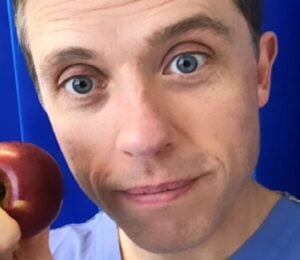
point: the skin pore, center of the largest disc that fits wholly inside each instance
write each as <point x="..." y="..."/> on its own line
<point x="132" y="115"/>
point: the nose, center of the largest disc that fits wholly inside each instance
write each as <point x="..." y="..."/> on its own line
<point x="146" y="131"/>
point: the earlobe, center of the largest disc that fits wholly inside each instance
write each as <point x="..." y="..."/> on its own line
<point x="267" y="56"/>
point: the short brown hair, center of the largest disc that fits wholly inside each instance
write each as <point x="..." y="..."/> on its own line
<point x="250" y="9"/>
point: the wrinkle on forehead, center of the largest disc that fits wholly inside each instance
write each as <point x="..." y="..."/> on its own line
<point x="68" y="13"/>
<point x="62" y="10"/>
<point x="56" y="24"/>
<point x="77" y="15"/>
<point x="57" y="10"/>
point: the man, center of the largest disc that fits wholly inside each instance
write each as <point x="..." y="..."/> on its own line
<point x="155" y="107"/>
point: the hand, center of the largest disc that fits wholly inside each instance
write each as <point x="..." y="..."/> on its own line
<point x="13" y="248"/>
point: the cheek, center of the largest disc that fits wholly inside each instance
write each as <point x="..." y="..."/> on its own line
<point x="85" y="144"/>
<point x="238" y="130"/>
<point x="226" y="124"/>
<point x="88" y="156"/>
<point x="73" y="147"/>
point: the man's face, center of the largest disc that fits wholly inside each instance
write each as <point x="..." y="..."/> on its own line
<point x="154" y="104"/>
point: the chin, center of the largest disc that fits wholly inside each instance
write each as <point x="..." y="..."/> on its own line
<point x="173" y="230"/>
<point x="178" y="239"/>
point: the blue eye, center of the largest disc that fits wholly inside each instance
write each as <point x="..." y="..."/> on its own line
<point x="187" y="63"/>
<point x="79" y="85"/>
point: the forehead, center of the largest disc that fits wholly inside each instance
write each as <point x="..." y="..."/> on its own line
<point x="50" y="23"/>
<point x="94" y="13"/>
<point x="120" y="6"/>
<point x="121" y="10"/>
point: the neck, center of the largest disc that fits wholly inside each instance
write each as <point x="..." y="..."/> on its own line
<point x="245" y="217"/>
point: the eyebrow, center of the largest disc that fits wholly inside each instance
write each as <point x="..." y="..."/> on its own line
<point x="77" y="54"/>
<point x="198" y="21"/>
<point x="68" y="56"/>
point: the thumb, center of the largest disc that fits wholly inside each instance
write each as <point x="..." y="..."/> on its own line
<point x="34" y="248"/>
<point x="10" y="235"/>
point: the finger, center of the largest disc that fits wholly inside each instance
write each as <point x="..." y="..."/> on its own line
<point x="34" y="248"/>
<point x="10" y="234"/>
<point x="7" y="256"/>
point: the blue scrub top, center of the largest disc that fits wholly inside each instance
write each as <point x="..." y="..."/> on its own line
<point x="278" y="238"/>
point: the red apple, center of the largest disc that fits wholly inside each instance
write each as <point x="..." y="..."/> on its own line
<point x="31" y="186"/>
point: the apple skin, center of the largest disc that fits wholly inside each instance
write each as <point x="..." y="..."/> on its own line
<point x="31" y="186"/>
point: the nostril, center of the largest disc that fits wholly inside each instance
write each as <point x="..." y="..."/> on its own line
<point x="149" y="149"/>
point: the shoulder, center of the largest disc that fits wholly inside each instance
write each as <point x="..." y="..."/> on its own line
<point x="279" y="235"/>
<point x="77" y="241"/>
<point x="289" y="227"/>
<point x="74" y="231"/>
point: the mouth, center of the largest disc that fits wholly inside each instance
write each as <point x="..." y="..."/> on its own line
<point x="159" y="194"/>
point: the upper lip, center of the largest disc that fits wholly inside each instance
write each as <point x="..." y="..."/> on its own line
<point x="163" y="187"/>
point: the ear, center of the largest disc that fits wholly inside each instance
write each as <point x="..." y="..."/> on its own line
<point x="267" y="54"/>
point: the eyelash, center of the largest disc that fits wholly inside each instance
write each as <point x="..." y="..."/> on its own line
<point x="96" y="85"/>
<point x="196" y="56"/>
<point x="194" y="48"/>
<point x="202" y="58"/>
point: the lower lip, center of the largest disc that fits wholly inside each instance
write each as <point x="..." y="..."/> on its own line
<point x="160" y="197"/>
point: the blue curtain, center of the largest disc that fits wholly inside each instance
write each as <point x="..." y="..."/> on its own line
<point x="23" y="118"/>
<point x="280" y="119"/>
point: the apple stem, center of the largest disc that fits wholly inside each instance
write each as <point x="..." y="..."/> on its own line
<point x="2" y="191"/>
